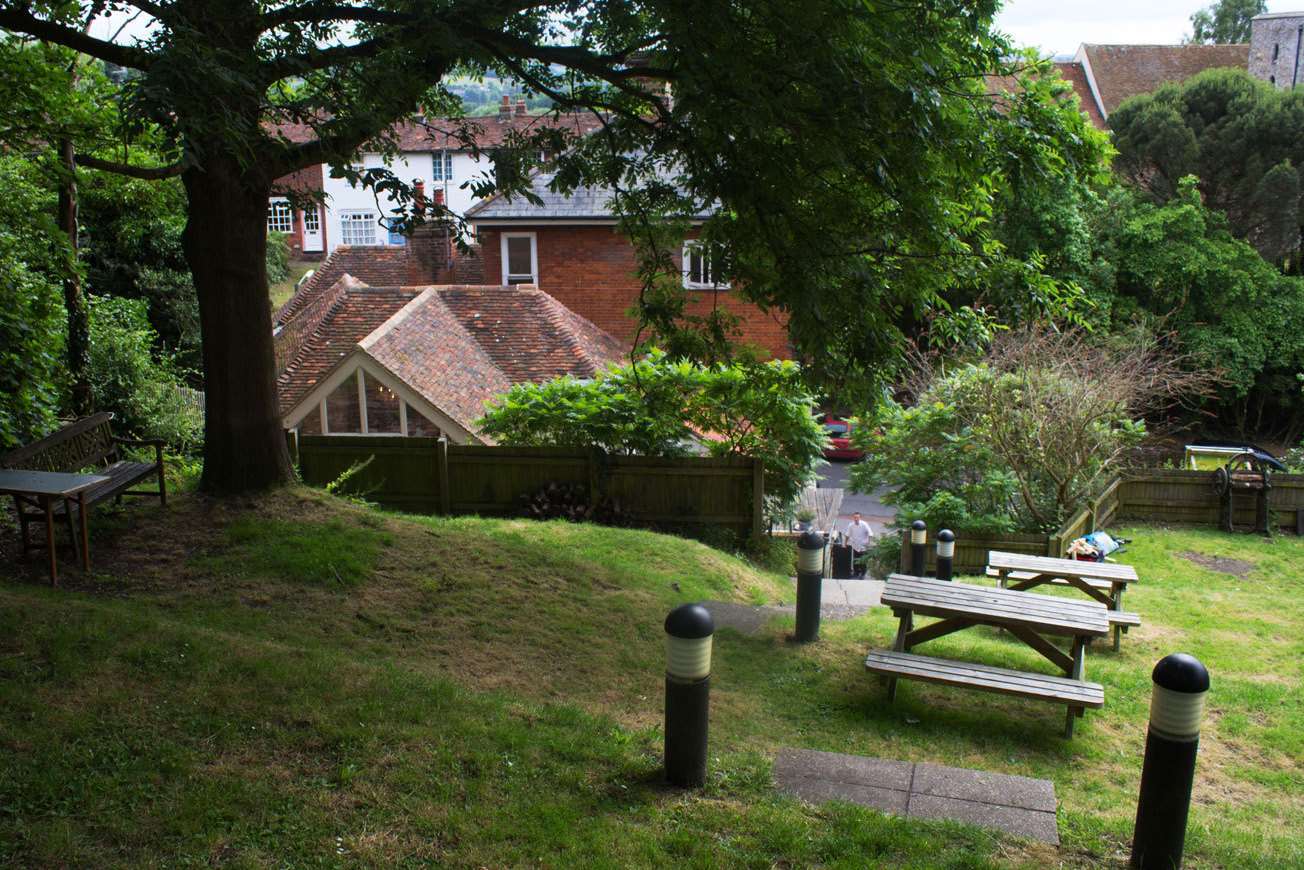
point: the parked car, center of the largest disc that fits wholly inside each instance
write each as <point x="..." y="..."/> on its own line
<point x="840" y="447"/>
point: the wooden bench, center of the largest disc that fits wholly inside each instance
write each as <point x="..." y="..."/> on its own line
<point x="86" y="443"/>
<point x="1076" y="694"/>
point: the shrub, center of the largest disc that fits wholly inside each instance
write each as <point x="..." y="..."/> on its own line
<point x="144" y="392"/>
<point x="278" y="257"/>
<point x="655" y="406"/>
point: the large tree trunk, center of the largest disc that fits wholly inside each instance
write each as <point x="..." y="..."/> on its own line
<point x="74" y="299"/>
<point x="225" y="244"/>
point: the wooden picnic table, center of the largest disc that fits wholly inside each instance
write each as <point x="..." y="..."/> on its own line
<point x="1030" y="617"/>
<point x="44" y="488"/>
<point x="1102" y="581"/>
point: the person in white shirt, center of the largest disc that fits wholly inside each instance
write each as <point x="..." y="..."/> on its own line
<point x="859" y="534"/>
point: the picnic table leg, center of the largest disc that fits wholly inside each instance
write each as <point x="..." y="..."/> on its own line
<point x="899" y="645"/>
<point x="48" y="504"/>
<point x="1079" y="670"/>
<point x="1118" y="608"/>
<point x="85" y="532"/>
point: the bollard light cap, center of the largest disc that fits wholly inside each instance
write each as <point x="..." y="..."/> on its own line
<point x="919" y="525"/>
<point x="1183" y="673"/>
<point x="811" y="540"/>
<point x="689" y="622"/>
<point x="946" y="536"/>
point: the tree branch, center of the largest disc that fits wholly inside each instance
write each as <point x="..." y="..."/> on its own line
<point x="149" y="173"/>
<point x="22" y="21"/>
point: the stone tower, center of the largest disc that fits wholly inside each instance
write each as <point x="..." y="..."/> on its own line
<point x="1275" y="48"/>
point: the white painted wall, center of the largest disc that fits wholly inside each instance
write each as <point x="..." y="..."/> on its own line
<point x="409" y="167"/>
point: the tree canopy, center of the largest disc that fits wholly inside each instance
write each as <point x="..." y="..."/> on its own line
<point x="847" y="151"/>
<point x="1226" y="21"/>
<point x="1241" y="137"/>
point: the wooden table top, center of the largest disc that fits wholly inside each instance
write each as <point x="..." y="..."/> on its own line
<point x="20" y="481"/>
<point x="1061" y="567"/>
<point x="1051" y="614"/>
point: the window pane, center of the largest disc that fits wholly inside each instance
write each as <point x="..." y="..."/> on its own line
<point x="520" y="266"/>
<point x="382" y="407"/>
<point x="358" y="228"/>
<point x="311" y="219"/>
<point x="342" y="413"/>
<point x="311" y="425"/>
<point x="280" y="217"/>
<point x="419" y="426"/>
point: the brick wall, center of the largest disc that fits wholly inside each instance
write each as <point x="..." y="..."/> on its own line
<point x="306" y="180"/>
<point x="591" y="270"/>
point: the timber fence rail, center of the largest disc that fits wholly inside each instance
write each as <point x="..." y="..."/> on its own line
<point x="1161" y="496"/>
<point x="427" y="475"/>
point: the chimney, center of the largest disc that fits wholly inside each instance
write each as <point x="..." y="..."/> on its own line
<point x="505" y="108"/>
<point x="520" y="105"/>
<point x="419" y="195"/>
<point x="439" y="196"/>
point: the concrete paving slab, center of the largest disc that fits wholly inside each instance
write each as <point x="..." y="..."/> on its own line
<point x="818" y="791"/>
<point x="984" y="786"/>
<point x="1017" y="805"/>
<point x="837" y="767"/>
<point x="863" y="593"/>
<point x="1034" y="824"/>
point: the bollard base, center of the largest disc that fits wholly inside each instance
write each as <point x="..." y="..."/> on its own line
<point x="809" y="593"/>
<point x="1166" y="778"/>
<point x="917" y="560"/>
<point x="687" y="715"/>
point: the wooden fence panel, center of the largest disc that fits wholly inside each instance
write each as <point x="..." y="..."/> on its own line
<point x="403" y="473"/>
<point x="1172" y="496"/>
<point x="406" y="474"/>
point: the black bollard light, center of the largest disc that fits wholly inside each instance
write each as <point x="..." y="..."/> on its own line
<point x="810" y="582"/>
<point x="1168" y="772"/>
<point x="689" y="628"/>
<point x="918" y="539"/>
<point x="945" y="553"/>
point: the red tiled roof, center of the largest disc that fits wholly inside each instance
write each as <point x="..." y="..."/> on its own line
<point x="1076" y="75"/>
<point x="442" y="133"/>
<point x="1123" y="71"/>
<point x="457" y="346"/>
<point x="377" y="266"/>
<point x="461" y="346"/>
<point x="357" y="312"/>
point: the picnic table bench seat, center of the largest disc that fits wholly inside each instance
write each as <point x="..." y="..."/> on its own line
<point x="1073" y="693"/>
<point x="86" y="443"/>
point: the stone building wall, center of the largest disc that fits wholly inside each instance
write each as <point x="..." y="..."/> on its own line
<point x="1275" y="48"/>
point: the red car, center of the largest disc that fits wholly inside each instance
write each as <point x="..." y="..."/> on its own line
<point x="839" y="431"/>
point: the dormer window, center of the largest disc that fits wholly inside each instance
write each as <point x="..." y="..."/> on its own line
<point x="699" y="273"/>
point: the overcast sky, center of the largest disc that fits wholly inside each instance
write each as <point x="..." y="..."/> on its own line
<point x="1057" y="26"/>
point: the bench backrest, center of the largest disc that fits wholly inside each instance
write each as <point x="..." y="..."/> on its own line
<point x="88" y="441"/>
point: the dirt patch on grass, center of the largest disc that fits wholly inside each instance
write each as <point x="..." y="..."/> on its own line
<point x="1221" y="564"/>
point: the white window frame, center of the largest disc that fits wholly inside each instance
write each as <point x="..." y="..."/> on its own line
<point x="278" y="209"/>
<point x="534" y="258"/>
<point x="354" y="217"/>
<point x="696" y="248"/>
<point x="312" y="219"/>
<point x="441" y="166"/>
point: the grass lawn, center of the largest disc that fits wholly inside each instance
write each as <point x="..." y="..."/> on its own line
<point x="295" y="680"/>
<point x="281" y="291"/>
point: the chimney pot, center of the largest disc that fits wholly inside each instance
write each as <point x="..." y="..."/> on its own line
<point x="419" y="195"/>
<point x="505" y="108"/>
<point x="520" y="105"/>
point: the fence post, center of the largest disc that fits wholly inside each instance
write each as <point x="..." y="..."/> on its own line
<point x="441" y="459"/>
<point x="758" y="498"/>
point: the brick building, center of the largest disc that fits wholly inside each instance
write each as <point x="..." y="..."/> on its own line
<point x="571" y="247"/>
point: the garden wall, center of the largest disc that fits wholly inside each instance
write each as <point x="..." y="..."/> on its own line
<point x="1151" y="496"/>
<point x="427" y="475"/>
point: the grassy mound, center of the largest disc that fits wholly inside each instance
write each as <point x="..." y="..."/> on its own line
<point x="296" y="680"/>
